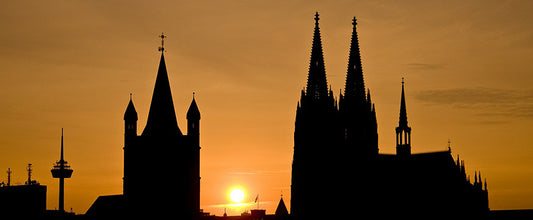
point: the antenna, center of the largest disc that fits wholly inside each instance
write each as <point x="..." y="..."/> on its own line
<point x="9" y="176"/>
<point x="61" y="146"/>
<point x="29" y="169"/>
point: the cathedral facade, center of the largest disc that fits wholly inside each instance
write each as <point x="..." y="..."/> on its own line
<point x="336" y="149"/>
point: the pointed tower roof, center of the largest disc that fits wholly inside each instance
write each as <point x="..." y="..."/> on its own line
<point x="131" y="113"/>
<point x="281" y="210"/>
<point x="317" y="85"/>
<point x="355" y="85"/>
<point x="162" y="117"/>
<point x="403" y="109"/>
<point x="193" y="113"/>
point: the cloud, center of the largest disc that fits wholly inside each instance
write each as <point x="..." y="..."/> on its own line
<point x="484" y="101"/>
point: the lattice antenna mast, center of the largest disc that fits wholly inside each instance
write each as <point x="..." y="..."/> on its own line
<point x="29" y="169"/>
<point x="9" y="176"/>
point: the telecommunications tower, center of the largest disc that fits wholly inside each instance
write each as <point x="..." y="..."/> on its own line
<point x="61" y="170"/>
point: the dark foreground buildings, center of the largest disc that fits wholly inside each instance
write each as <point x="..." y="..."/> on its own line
<point x="22" y="200"/>
<point x="336" y="150"/>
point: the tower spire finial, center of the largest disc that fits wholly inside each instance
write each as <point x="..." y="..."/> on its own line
<point x="162" y="47"/>
<point x="403" y="110"/>
<point x="317" y="85"/>
<point x="354" y="21"/>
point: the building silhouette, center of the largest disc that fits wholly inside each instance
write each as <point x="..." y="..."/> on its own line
<point x="22" y="200"/>
<point x="161" y="165"/>
<point x="336" y="150"/>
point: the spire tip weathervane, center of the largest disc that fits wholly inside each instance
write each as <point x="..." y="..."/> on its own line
<point x="162" y="48"/>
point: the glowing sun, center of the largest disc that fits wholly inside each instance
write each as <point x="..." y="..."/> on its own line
<point x="236" y="195"/>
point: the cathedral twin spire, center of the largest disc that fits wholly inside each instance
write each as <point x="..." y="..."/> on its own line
<point x="317" y="85"/>
<point x="356" y="111"/>
<point x="329" y="134"/>
<point x="355" y="85"/>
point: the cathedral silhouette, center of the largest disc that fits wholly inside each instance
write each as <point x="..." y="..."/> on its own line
<point x="336" y="149"/>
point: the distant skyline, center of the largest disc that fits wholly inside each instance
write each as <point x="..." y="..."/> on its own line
<point x="73" y="64"/>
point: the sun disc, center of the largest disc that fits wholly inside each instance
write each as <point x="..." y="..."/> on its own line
<point x="236" y="195"/>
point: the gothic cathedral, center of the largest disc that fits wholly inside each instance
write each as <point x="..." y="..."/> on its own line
<point x="336" y="151"/>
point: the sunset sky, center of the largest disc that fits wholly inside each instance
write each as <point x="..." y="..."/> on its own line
<point x="468" y="67"/>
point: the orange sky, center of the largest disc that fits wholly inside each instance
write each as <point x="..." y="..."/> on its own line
<point x="72" y="64"/>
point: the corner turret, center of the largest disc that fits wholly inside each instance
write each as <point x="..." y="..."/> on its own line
<point x="130" y="119"/>
<point x="193" y="119"/>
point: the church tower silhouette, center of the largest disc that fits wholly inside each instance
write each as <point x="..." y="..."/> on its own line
<point x="162" y="166"/>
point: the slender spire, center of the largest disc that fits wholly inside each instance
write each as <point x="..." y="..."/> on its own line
<point x="317" y="85"/>
<point x="403" y="109"/>
<point x="162" y="117"/>
<point x="403" y="132"/>
<point x="355" y="85"/>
